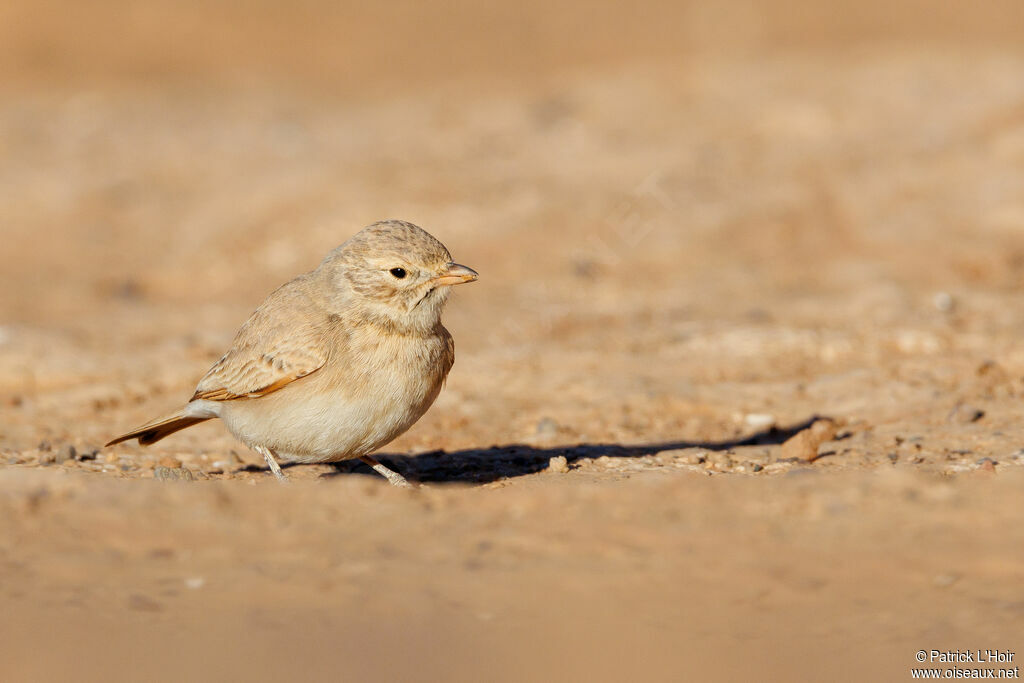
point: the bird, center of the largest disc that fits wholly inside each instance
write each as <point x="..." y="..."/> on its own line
<point x="340" y="360"/>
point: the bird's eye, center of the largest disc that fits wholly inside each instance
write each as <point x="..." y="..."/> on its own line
<point x="398" y="272"/>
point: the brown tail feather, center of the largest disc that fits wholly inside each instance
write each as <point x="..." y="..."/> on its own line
<point x="151" y="432"/>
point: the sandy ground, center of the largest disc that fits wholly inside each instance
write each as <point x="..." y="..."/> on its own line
<point x="699" y="229"/>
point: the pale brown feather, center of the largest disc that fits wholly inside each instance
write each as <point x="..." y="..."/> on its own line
<point x="281" y="342"/>
<point x="157" y="429"/>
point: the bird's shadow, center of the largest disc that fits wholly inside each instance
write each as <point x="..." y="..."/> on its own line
<point x="484" y="465"/>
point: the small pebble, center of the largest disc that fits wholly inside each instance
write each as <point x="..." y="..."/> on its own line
<point x="804" y="445"/>
<point x="943" y="301"/>
<point x="992" y="370"/>
<point x="558" y="465"/>
<point x="195" y="582"/>
<point x="664" y="458"/>
<point x="688" y="456"/>
<point x="718" y="460"/>
<point x="547" y="427"/>
<point x="172" y="474"/>
<point x="759" y="421"/>
<point x="47" y="458"/>
<point x="987" y="465"/>
<point x="143" y="604"/>
<point x="963" y="413"/>
<point x="67" y="452"/>
<point x="88" y="454"/>
<point x="825" y="429"/>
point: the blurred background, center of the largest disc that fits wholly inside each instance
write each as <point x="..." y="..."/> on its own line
<point x="799" y="181"/>
<point x="693" y="220"/>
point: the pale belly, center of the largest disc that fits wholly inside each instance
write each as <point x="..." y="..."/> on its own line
<point x="321" y="419"/>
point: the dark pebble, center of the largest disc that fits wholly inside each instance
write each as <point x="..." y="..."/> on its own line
<point x="89" y="454"/>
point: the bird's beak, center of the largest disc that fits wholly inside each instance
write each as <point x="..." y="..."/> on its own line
<point x="455" y="275"/>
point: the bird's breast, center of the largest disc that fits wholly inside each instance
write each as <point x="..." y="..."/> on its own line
<point x="358" y="401"/>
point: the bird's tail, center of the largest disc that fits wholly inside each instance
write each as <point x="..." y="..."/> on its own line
<point x="153" y="431"/>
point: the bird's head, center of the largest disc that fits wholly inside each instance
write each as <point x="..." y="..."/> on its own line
<point x="397" y="273"/>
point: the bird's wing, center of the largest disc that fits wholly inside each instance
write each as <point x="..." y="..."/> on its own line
<point x="282" y="341"/>
<point x="248" y="373"/>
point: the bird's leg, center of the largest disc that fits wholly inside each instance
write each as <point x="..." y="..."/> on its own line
<point x="394" y="477"/>
<point x="268" y="455"/>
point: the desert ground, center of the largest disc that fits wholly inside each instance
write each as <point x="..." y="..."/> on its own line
<point x="737" y="395"/>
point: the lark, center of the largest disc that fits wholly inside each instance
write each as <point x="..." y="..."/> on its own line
<point x="339" y="361"/>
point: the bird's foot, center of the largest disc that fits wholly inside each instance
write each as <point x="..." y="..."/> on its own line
<point x="268" y="455"/>
<point x="395" y="478"/>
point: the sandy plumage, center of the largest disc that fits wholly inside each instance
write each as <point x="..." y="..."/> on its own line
<point x="339" y="361"/>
